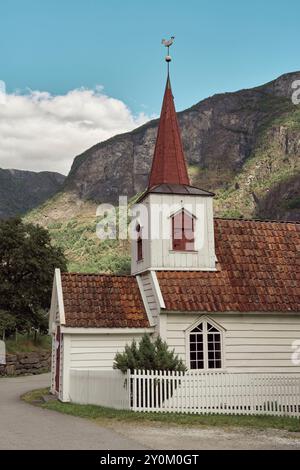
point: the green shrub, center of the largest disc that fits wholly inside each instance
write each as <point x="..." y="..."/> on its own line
<point x="148" y="355"/>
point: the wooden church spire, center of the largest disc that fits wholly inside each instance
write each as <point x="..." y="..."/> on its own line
<point x="168" y="164"/>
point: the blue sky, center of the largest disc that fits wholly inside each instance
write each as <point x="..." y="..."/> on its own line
<point x="220" y="46"/>
<point x="59" y="46"/>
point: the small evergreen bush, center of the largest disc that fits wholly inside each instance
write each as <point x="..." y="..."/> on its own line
<point x="148" y="355"/>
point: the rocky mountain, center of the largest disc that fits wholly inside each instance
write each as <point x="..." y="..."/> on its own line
<point x="21" y="191"/>
<point x="245" y="146"/>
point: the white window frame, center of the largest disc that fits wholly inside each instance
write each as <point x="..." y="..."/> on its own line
<point x="205" y="320"/>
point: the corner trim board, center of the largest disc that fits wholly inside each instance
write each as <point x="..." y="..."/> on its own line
<point x="157" y="290"/>
<point x="145" y="302"/>
<point x="60" y="298"/>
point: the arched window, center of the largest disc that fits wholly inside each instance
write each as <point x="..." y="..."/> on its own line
<point x="205" y="344"/>
<point x="183" y="226"/>
<point x="139" y="243"/>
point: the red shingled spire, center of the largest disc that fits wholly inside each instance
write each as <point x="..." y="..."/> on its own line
<point x="168" y="164"/>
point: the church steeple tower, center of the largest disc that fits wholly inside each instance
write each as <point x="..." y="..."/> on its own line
<point x="168" y="166"/>
<point x="173" y="224"/>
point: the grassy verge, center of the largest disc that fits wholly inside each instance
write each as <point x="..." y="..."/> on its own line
<point x="25" y="343"/>
<point x="100" y="414"/>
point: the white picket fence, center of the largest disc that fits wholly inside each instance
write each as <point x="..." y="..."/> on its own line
<point x="190" y="392"/>
<point x="99" y="387"/>
<point x="215" y="392"/>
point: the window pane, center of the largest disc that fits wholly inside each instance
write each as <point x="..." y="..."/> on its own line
<point x="211" y="328"/>
<point x="139" y="249"/>
<point x="214" y="353"/>
<point x="196" y="348"/>
<point x="188" y="233"/>
<point x="198" y="328"/>
<point x="189" y="246"/>
<point x="188" y="221"/>
<point x="211" y="355"/>
<point x="177" y="234"/>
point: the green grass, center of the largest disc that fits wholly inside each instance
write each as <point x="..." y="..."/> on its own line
<point x="73" y="227"/>
<point x="27" y="343"/>
<point x="100" y="414"/>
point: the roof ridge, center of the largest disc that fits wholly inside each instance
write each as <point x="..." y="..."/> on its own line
<point x="272" y="221"/>
<point x="73" y="273"/>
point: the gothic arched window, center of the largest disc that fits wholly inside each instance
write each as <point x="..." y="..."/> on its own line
<point x="183" y="227"/>
<point x="205" y="346"/>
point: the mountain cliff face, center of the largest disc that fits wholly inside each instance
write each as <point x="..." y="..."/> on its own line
<point x="21" y="191"/>
<point x="245" y="146"/>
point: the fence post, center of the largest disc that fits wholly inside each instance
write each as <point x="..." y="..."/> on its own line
<point x="129" y="388"/>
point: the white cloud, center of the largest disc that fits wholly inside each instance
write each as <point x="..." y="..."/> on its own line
<point x="40" y="131"/>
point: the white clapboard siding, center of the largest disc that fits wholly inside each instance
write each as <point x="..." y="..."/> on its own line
<point x="99" y="387"/>
<point x="251" y="343"/>
<point x="97" y="351"/>
<point x="215" y="393"/>
<point x="157" y="249"/>
<point x="162" y="256"/>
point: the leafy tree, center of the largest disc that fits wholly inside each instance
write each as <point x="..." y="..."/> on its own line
<point x="148" y="355"/>
<point x="7" y="324"/>
<point x="27" y="262"/>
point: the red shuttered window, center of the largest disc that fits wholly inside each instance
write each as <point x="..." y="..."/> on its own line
<point x="183" y="226"/>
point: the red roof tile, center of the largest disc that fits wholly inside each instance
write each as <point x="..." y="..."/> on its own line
<point x="95" y="300"/>
<point x="258" y="271"/>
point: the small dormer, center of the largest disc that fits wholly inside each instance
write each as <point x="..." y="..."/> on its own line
<point x="174" y="220"/>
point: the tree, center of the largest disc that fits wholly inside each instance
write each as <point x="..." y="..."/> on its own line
<point x="148" y="355"/>
<point x="27" y="263"/>
<point x="7" y="324"/>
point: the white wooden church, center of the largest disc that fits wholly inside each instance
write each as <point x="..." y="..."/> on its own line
<point x="225" y="294"/>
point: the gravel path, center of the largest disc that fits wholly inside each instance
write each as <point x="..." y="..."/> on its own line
<point x="23" y="426"/>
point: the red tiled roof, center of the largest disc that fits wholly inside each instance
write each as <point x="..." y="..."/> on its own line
<point x="258" y="271"/>
<point x="93" y="300"/>
<point x="168" y="164"/>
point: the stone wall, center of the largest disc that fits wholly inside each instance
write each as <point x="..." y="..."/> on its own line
<point x="26" y="363"/>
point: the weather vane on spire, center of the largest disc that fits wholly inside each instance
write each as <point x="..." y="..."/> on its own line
<point x="168" y="43"/>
